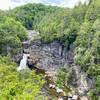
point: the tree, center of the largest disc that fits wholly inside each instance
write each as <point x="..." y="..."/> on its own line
<point x="18" y="85"/>
<point x="29" y="15"/>
<point x="12" y="33"/>
<point x="63" y="78"/>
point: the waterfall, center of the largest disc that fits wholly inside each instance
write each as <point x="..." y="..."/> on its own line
<point x="23" y="62"/>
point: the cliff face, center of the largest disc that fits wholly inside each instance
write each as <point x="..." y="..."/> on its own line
<point x="53" y="55"/>
<point x="50" y="58"/>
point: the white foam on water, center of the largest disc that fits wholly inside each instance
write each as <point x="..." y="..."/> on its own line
<point x="23" y="62"/>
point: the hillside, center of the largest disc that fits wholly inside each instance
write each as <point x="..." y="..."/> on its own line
<point x="64" y="42"/>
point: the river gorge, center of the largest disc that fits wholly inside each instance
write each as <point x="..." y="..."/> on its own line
<point x="48" y="59"/>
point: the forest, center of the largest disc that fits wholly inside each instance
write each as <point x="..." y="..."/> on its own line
<point x="77" y="29"/>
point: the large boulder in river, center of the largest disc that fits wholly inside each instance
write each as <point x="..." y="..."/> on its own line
<point x="33" y="60"/>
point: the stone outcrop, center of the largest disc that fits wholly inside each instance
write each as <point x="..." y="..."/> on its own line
<point x="51" y="54"/>
<point x="49" y="58"/>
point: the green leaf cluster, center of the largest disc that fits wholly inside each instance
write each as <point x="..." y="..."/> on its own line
<point x="12" y="33"/>
<point x="15" y="85"/>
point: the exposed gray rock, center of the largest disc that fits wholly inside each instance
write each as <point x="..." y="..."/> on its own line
<point x="52" y="60"/>
<point x="53" y="56"/>
<point x="80" y="80"/>
<point x="50" y="53"/>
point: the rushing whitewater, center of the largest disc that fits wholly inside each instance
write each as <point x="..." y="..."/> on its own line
<point x="23" y="62"/>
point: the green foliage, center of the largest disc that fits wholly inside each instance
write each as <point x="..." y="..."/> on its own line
<point x="31" y="14"/>
<point x="92" y="96"/>
<point x="79" y="13"/>
<point x="87" y="46"/>
<point x="98" y="83"/>
<point x="93" y="11"/>
<point x="49" y="30"/>
<point x="58" y="26"/>
<point x="2" y="15"/>
<point x="79" y="27"/>
<point x="63" y="79"/>
<point x="17" y="86"/>
<point x="12" y="33"/>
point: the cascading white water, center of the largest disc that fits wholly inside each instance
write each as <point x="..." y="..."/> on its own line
<point x="23" y="62"/>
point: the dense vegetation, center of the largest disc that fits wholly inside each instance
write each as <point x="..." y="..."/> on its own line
<point x="12" y="33"/>
<point x="15" y="85"/>
<point x="63" y="79"/>
<point x="31" y="14"/>
<point x="78" y="27"/>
